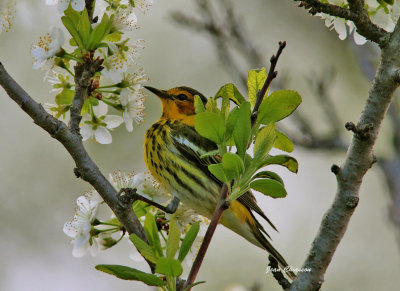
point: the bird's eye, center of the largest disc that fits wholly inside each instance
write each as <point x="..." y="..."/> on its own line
<point x="182" y="97"/>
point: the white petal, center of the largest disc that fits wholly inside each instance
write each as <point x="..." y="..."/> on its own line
<point x="86" y="131"/>
<point x="125" y="96"/>
<point x="100" y="109"/>
<point x="70" y="230"/>
<point x="80" y="251"/>
<point x="83" y="203"/>
<point x="78" y="5"/>
<point x="340" y="27"/>
<point x="128" y="121"/>
<point x="62" y="5"/>
<point x="102" y="135"/>
<point x="113" y="121"/>
<point x="359" y="39"/>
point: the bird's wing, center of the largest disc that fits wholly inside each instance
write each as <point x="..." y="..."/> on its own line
<point x="192" y="146"/>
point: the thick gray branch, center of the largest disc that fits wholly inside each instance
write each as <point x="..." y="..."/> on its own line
<point x="72" y="141"/>
<point x="358" y="160"/>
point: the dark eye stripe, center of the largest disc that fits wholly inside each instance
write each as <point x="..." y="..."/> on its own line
<point x="182" y="97"/>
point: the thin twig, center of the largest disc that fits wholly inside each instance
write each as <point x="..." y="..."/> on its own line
<point x="277" y="273"/>
<point x="222" y="205"/>
<point x="271" y="75"/>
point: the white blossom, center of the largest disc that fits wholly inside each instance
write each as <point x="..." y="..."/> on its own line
<point x="385" y="18"/>
<point x="124" y="19"/>
<point x="48" y="46"/>
<point x="122" y="180"/>
<point x="7" y="14"/>
<point x="79" y="227"/>
<point x="99" y="124"/>
<point x="148" y="187"/>
<point x="116" y="65"/>
<point x="62" y="5"/>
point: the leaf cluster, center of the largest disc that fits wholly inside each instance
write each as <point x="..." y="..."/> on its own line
<point x="234" y="131"/>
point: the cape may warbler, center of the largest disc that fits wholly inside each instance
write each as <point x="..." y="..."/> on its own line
<point x="172" y="153"/>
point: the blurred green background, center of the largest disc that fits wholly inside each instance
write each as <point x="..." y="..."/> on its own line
<point x="38" y="188"/>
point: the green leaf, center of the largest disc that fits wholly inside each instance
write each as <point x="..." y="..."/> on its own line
<point x="169" y="267"/>
<point x="174" y="237"/>
<point x="188" y="241"/>
<point x="151" y="230"/>
<point x="268" y="175"/>
<point x="269" y="187"/>
<point x="265" y="139"/>
<point x="283" y="143"/>
<point x="283" y="160"/>
<point x="65" y="97"/>
<point x="230" y="92"/>
<point x="211" y="106"/>
<point x="72" y="42"/>
<point x="84" y="28"/>
<point x="242" y="129"/>
<point x="69" y="25"/>
<point x="113" y="37"/>
<point x="278" y="105"/>
<point x="127" y="273"/>
<point x="390" y="2"/>
<point x="231" y="122"/>
<point x="218" y="171"/>
<point x="140" y="208"/>
<point x="144" y="249"/>
<point x="210" y="125"/>
<point x="100" y="32"/>
<point x="255" y="82"/>
<point x="198" y="105"/>
<point x="233" y="163"/>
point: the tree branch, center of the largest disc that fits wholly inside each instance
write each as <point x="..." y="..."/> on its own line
<point x="356" y="13"/>
<point x="71" y="140"/>
<point x="358" y="160"/>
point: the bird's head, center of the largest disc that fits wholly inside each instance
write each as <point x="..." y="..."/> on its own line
<point x="178" y="103"/>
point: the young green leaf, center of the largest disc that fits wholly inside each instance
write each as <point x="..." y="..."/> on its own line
<point x="210" y="125"/>
<point x="283" y="143"/>
<point x="211" y="106"/>
<point x="233" y="163"/>
<point x="218" y="171"/>
<point x="198" y="105"/>
<point x="268" y="175"/>
<point x="65" y="97"/>
<point x="230" y="92"/>
<point x="169" y="267"/>
<point x="242" y="129"/>
<point x="277" y="106"/>
<point x="140" y="208"/>
<point x="69" y="25"/>
<point x="283" y="160"/>
<point x="151" y="230"/>
<point x="188" y="241"/>
<point x="255" y="82"/>
<point x="113" y="37"/>
<point x="269" y="187"/>
<point x="144" y="249"/>
<point x="84" y="28"/>
<point x="231" y="122"/>
<point x="174" y="237"/>
<point x="127" y="273"/>
<point x="100" y="32"/>
<point x="265" y="139"/>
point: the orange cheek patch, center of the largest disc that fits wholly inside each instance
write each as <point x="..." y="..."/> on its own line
<point x="185" y="108"/>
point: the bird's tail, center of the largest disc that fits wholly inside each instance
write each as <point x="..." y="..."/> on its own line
<point x="242" y="221"/>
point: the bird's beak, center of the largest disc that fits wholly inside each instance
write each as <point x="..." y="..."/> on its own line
<point x="160" y="93"/>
